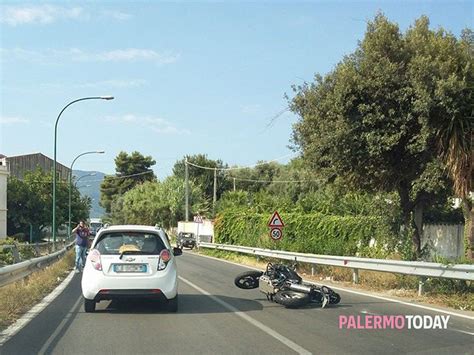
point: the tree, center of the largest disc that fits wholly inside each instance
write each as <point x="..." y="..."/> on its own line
<point x="130" y="170"/>
<point x="373" y="120"/>
<point x="29" y="201"/>
<point x="204" y="177"/>
<point x="455" y="133"/>
<point x="233" y="200"/>
<point x="157" y="202"/>
<point x="257" y="178"/>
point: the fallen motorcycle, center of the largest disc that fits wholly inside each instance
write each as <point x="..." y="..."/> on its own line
<point x="283" y="285"/>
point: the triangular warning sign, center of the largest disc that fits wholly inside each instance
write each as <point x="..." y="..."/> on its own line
<point x="276" y="220"/>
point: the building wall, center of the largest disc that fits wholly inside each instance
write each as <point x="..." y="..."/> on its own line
<point x="446" y="240"/>
<point x="3" y="197"/>
<point x="21" y="164"/>
<point x="204" y="230"/>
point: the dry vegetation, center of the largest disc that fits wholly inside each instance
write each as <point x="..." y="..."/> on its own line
<point x="19" y="297"/>
<point x="447" y="293"/>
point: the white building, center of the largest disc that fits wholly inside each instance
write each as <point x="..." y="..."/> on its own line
<point x="204" y="230"/>
<point x="3" y="196"/>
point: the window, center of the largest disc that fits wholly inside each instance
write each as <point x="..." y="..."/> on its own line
<point x="140" y="242"/>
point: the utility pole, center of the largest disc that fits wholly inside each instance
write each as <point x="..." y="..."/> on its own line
<point x="186" y="188"/>
<point x="215" y="193"/>
<point x="234" y="184"/>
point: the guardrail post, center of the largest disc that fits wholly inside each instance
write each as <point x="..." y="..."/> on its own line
<point x="355" y="276"/>
<point x="16" y="254"/>
<point x="421" y="283"/>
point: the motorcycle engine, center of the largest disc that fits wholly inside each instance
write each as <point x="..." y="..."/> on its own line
<point x="265" y="285"/>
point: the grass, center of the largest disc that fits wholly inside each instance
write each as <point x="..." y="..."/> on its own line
<point x="17" y="298"/>
<point x="455" y="294"/>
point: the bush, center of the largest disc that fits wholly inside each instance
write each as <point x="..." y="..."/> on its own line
<point x="308" y="233"/>
<point x="6" y="254"/>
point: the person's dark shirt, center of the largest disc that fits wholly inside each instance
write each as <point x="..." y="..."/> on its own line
<point x="82" y="235"/>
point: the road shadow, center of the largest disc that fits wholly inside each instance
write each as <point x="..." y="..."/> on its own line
<point x="187" y="304"/>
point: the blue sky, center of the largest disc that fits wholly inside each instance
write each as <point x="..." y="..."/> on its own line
<point x="188" y="77"/>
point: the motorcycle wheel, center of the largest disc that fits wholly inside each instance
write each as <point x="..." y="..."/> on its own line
<point x="248" y="280"/>
<point x="334" y="298"/>
<point x="291" y="299"/>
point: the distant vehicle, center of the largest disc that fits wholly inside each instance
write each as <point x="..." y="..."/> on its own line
<point x="95" y="224"/>
<point x="130" y="261"/>
<point x="187" y="240"/>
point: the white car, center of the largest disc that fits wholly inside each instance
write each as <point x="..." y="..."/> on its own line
<point x="129" y="261"/>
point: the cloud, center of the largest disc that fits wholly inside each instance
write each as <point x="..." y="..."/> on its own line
<point x="103" y="84"/>
<point x="7" y="120"/>
<point x="133" y="54"/>
<point x="156" y="124"/>
<point x="47" y="14"/>
<point x="115" y="83"/>
<point x="39" y="14"/>
<point x="116" y="15"/>
<point x="78" y="55"/>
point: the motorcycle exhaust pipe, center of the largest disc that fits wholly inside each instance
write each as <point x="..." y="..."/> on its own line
<point x="300" y="288"/>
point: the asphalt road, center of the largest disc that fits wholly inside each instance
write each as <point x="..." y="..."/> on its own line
<point x="215" y="317"/>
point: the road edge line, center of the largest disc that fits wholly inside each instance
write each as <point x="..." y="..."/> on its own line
<point x="273" y="333"/>
<point x="20" y="323"/>
<point x="355" y="292"/>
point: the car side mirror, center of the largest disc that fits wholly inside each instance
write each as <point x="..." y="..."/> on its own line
<point x="177" y="251"/>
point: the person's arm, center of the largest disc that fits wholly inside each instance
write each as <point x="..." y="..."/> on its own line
<point x="75" y="229"/>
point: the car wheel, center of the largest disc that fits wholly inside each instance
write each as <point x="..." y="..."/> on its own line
<point x="89" y="305"/>
<point x="173" y="304"/>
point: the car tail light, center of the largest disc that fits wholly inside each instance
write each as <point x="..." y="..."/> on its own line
<point x="165" y="257"/>
<point x="94" y="257"/>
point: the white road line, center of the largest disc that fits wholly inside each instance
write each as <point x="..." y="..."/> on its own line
<point x="59" y="328"/>
<point x="254" y="322"/>
<point x="462" y="331"/>
<point x="33" y="312"/>
<point x="357" y="292"/>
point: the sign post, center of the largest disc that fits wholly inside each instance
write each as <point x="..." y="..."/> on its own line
<point x="276" y="226"/>
<point x="198" y="220"/>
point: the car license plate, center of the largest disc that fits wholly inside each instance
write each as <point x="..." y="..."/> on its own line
<point x="130" y="268"/>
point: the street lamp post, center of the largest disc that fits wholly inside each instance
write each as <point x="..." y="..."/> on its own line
<point x="70" y="184"/>
<point x="54" y="164"/>
<point x="83" y="176"/>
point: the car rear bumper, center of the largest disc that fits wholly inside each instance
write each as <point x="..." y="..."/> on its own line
<point x="188" y="243"/>
<point x="155" y="294"/>
<point x="93" y="282"/>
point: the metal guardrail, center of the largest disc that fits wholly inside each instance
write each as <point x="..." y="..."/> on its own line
<point x="12" y="273"/>
<point x="15" y="248"/>
<point x="415" y="268"/>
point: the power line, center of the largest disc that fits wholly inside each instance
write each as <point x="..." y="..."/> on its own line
<point x="276" y="181"/>
<point x="121" y="177"/>
<point x="241" y="167"/>
<point x="109" y="176"/>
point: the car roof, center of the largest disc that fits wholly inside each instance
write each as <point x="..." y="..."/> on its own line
<point x="130" y="227"/>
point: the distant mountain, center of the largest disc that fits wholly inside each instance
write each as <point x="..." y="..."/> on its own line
<point x="94" y="179"/>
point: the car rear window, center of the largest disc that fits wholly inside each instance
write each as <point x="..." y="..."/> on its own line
<point x="115" y="242"/>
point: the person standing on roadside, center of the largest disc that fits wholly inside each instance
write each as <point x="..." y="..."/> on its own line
<point x="82" y="239"/>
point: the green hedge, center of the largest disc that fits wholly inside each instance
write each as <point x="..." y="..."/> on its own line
<point x="6" y="255"/>
<point x="307" y="233"/>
